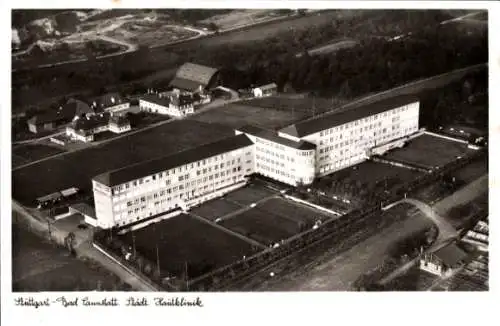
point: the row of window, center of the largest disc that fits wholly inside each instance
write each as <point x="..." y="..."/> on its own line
<point x="340" y="163"/>
<point x="269" y="143"/>
<point x="161" y="199"/>
<point x="184" y="186"/>
<point x="268" y="160"/>
<point x="278" y="155"/>
<point x="364" y="120"/>
<point x="275" y="171"/>
<point x="177" y="170"/>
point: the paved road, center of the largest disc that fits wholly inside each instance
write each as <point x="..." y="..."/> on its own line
<point x="446" y="230"/>
<point x="34" y="140"/>
<point x="460" y="18"/>
<point x="84" y="248"/>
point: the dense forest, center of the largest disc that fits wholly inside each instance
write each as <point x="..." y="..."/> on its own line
<point x="463" y="102"/>
<point x="372" y="65"/>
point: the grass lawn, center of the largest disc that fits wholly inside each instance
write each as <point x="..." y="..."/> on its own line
<point x="262" y="226"/>
<point x="368" y="176"/>
<point x="215" y="208"/>
<point x="24" y="154"/>
<point x="78" y="168"/>
<point x="302" y="107"/>
<point x="430" y="151"/>
<point x="184" y="240"/>
<point x="472" y="171"/>
<point x="39" y="265"/>
<point x="249" y="194"/>
<point x="372" y="172"/>
<point x="292" y="211"/>
<point x="236" y="115"/>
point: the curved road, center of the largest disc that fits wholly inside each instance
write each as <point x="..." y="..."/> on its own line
<point x="446" y="230"/>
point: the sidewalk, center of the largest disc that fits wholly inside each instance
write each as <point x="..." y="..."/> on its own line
<point x="83" y="247"/>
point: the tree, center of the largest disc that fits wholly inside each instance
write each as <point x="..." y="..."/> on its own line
<point x="213" y="27"/>
<point x="148" y="268"/>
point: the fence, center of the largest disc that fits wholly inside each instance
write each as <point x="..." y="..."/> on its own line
<point x="333" y="232"/>
<point x="332" y="228"/>
<point x="114" y="249"/>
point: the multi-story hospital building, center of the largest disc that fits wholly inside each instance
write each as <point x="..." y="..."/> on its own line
<point x="294" y="155"/>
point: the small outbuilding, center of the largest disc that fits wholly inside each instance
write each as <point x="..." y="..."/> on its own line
<point x="265" y="90"/>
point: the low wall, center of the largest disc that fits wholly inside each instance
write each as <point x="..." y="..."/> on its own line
<point x="304" y="202"/>
<point x="446" y="137"/>
<point x="117" y="261"/>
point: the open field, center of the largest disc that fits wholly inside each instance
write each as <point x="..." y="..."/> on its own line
<point x="365" y="178"/>
<point x="262" y="226"/>
<point x="370" y="173"/>
<point x="66" y="51"/>
<point x="429" y="151"/>
<point x="303" y="107"/>
<point x="38" y="265"/>
<point x="265" y="31"/>
<point x="184" y="242"/>
<point x="28" y="153"/>
<point x="293" y="211"/>
<point x="472" y="171"/>
<point x="332" y="47"/>
<point x="150" y="33"/>
<point x="76" y="169"/>
<point x="239" y="18"/>
<point x="216" y="208"/>
<point x="249" y="194"/>
<point x="236" y="115"/>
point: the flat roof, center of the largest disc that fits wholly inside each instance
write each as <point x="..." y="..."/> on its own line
<point x="314" y="125"/>
<point x="142" y="169"/>
<point x="274" y="137"/>
<point x="84" y="209"/>
<point x="268" y="86"/>
<point x="52" y="196"/>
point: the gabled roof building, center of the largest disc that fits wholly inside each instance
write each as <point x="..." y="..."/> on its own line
<point x="193" y="77"/>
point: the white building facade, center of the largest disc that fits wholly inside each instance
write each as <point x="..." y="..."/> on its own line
<point x="281" y="159"/>
<point x="182" y="180"/>
<point x="162" y="104"/>
<point x="295" y="155"/>
<point x="346" y="138"/>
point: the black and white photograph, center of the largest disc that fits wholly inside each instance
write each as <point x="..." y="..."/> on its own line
<point x="236" y="150"/>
